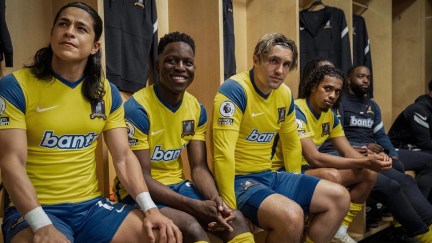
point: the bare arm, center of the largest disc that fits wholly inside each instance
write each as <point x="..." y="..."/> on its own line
<point x="204" y="182"/>
<point x="129" y="173"/>
<point x="200" y="172"/>
<point x="351" y="159"/>
<point x="13" y="157"/>
<point x="160" y="192"/>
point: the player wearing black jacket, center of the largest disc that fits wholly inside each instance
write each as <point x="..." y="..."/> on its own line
<point x="412" y="128"/>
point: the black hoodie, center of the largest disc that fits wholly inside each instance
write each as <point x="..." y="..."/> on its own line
<point x="414" y="125"/>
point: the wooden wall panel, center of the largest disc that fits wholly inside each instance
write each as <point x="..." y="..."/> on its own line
<point x="162" y="11"/>
<point x="407" y="64"/>
<point x="240" y="32"/>
<point x="29" y="27"/>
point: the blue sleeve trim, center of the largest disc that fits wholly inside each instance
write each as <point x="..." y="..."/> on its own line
<point x="335" y="118"/>
<point x="300" y="115"/>
<point x="235" y="92"/>
<point x="203" y="116"/>
<point x="291" y="108"/>
<point x="12" y="92"/>
<point x="380" y="135"/>
<point x="115" y="97"/>
<point x="137" y="115"/>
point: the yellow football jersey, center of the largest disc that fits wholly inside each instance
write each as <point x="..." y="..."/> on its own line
<point x="62" y="131"/>
<point x="245" y="124"/>
<point x="163" y="129"/>
<point x="319" y="127"/>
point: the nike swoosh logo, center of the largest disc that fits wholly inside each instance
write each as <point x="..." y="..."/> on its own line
<point x="301" y="28"/>
<point x="121" y="209"/>
<point x="38" y="109"/>
<point x="257" y="114"/>
<point x="421" y="117"/>
<point x="154" y="133"/>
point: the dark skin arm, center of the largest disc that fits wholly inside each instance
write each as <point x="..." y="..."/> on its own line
<point x="205" y="211"/>
<point x="351" y="158"/>
<point x="204" y="182"/>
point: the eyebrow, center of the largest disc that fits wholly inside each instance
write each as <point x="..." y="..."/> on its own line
<point x="79" y="23"/>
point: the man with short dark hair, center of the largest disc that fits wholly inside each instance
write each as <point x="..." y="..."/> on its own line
<point x="361" y="119"/>
<point x="163" y="120"/>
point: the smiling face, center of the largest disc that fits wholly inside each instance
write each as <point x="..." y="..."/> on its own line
<point x="73" y="36"/>
<point x="176" y="70"/>
<point x="325" y="95"/>
<point x="269" y="74"/>
<point x="359" y="81"/>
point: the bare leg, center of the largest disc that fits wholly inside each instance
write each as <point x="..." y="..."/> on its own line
<point x="282" y="217"/>
<point x="191" y="229"/>
<point x="330" y="203"/>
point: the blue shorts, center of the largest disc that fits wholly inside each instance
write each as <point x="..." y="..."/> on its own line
<point x="184" y="188"/>
<point x="252" y="189"/>
<point x="95" y="220"/>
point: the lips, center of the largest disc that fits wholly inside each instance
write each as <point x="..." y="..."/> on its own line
<point x="329" y="103"/>
<point x="276" y="78"/>
<point x="67" y="43"/>
<point x="179" y="78"/>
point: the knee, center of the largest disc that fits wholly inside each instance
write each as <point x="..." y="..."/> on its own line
<point x="369" y="176"/>
<point x="292" y="218"/>
<point x="341" y="198"/>
<point x="393" y="188"/>
<point x="333" y="175"/>
<point x="192" y="230"/>
<point x="241" y="224"/>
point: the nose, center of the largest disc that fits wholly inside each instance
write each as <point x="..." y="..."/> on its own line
<point x="332" y="95"/>
<point x="70" y="31"/>
<point x="279" y="69"/>
<point x="366" y="80"/>
<point x="180" y="66"/>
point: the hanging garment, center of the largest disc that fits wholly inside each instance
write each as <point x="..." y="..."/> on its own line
<point x="361" y="47"/>
<point x="6" y="50"/>
<point x="324" y="33"/>
<point x="131" y="42"/>
<point x="229" y="40"/>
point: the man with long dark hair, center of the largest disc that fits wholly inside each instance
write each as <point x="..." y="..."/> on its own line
<point x="52" y="113"/>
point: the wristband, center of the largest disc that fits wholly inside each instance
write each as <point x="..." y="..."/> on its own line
<point x="37" y="218"/>
<point x="144" y="201"/>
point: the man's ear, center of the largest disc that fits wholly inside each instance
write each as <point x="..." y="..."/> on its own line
<point x="255" y="60"/>
<point x="96" y="47"/>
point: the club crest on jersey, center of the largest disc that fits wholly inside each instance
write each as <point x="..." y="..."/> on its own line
<point x="188" y="128"/>
<point x="2" y="105"/>
<point x="281" y="114"/>
<point x="369" y="110"/>
<point x="98" y="110"/>
<point x="325" y="129"/>
<point x="227" y="108"/>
